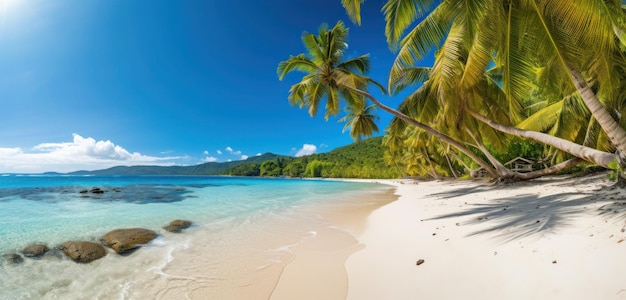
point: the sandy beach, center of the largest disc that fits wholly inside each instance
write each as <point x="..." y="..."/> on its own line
<point x="552" y="238"/>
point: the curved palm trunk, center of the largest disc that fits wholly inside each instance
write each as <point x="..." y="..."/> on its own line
<point x="430" y="130"/>
<point x="550" y="170"/>
<point x="503" y="172"/>
<point x="616" y="134"/>
<point x="589" y="154"/>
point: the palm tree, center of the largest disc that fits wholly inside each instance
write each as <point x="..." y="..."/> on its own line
<point x="361" y="121"/>
<point x="563" y="37"/>
<point x="329" y="77"/>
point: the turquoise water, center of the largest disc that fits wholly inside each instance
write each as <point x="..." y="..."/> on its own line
<point x="52" y="210"/>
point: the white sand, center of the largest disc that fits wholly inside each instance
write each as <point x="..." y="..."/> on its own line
<point x="553" y="238"/>
<point x="545" y="239"/>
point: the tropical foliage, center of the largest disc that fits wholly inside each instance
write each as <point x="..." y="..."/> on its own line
<point x="548" y="71"/>
<point x="361" y="159"/>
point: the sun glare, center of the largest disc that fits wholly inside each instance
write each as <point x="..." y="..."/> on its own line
<point x="8" y="7"/>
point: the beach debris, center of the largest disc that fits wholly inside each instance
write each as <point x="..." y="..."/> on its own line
<point x="419" y="262"/>
<point x="177" y="226"/>
<point x="434" y="233"/>
<point x="13" y="258"/>
<point x="554" y="261"/>
<point x="495" y="253"/>
<point x="35" y="250"/>
<point x="83" y="251"/>
<point x="123" y="240"/>
<point x="621" y="240"/>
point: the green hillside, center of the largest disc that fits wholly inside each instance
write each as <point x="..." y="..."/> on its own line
<point x="362" y="159"/>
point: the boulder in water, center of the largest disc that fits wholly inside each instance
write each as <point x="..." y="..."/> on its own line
<point x="82" y="251"/>
<point x="35" y="250"/>
<point x="123" y="240"/>
<point x="177" y="226"/>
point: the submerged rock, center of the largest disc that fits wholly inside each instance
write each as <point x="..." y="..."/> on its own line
<point x="123" y="240"/>
<point x="82" y="251"/>
<point x="177" y="226"/>
<point x="13" y="258"/>
<point x="35" y="250"/>
<point x="96" y="190"/>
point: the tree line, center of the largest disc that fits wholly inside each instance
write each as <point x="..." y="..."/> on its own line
<point x="362" y="159"/>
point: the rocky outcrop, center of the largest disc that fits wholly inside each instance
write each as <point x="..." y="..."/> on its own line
<point x="35" y="250"/>
<point x="82" y="251"/>
<point x="123" y="240"/>
<point x="177" y="226"/>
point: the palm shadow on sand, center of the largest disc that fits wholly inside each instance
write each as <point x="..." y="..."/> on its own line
<point x="528" y="215"/>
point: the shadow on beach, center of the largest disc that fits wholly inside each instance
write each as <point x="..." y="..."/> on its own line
<point x="525" y="215"/>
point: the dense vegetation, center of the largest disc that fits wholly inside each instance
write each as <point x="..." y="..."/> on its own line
<point x="362" y="159"/>
<point x="540" y="78"/>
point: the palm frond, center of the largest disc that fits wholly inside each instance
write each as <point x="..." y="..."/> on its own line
<point x="400" y="14"/>
<point x="401" y="78"/>
<point x="543" y="119"/>
<point x="426" y="35"/>
<point x="353" y="9"/>
<point x="360" y="65"/>
<point x="299" y="62"/>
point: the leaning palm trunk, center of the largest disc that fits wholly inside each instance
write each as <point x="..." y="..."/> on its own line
<point x="502" y="171"/>
<point x="550" y="170"/>
<point x="595" y="156"/>
<point x="445" y="138"/>
<point x="616" y="134"/>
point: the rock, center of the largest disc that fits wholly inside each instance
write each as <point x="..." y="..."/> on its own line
<point x="35" y="250"/>
<point x="84" y="191"/>
<point x="177" y="226"/>
<point x="122" y="240"/>
<point x="419" y="262"/>
<point x="13" y="258"/>
<point x="82" y="251"/>
<point x="96" y="191"/>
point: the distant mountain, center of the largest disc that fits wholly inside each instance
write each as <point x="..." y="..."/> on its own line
<point x="363" y="159"/>
<point x="210" y="168"/>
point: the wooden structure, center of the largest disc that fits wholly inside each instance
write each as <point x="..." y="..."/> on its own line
<point x="520" y="164"/>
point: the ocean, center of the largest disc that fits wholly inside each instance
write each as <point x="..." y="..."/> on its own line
<point x="244" y="230"/>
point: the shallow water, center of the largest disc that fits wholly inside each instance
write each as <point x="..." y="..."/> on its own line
<point x="244" y="229"/>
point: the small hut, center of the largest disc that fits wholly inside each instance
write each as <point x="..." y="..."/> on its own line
<point x="520" y="164"/>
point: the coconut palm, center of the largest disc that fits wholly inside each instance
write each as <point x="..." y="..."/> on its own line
<point x="329" y="77"/>
<point x="360" y="121"/>
<point x="526" y="34"/>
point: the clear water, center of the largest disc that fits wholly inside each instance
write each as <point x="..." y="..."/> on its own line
<point x="52" y="210"/>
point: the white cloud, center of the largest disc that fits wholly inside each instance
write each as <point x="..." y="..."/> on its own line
<point x="79" y="154"/>
<point x="205" y="152"/>
<point x="229" y="149"/>
<point x="258" y="154"/>
<point x="237" y="152"/>
<point x="219" y="152"/>
<point x="244" y="157"/>
<point x="307" y="149"/>
<point x="209" y="159"/>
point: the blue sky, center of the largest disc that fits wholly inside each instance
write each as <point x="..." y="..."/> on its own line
<point x="97" y="83"/>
